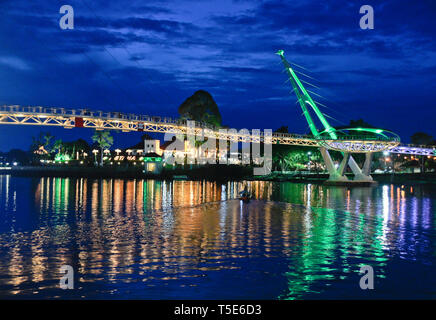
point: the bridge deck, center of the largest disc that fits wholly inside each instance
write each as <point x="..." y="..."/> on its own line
<point x="102" y="120"/>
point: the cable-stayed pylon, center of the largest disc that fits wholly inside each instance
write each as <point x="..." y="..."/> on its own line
<point x="306" y="100"/>
<point x="306" y="103"/>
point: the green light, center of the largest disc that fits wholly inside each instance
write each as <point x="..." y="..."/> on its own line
<point x="329" y="236"/>
<point x="388" y="135"/>
<point x="152" y="159"/>
<point x="62" y="157"/>
<point x="305" y="99"/>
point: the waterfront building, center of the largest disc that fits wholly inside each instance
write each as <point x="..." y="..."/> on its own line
<point x="152" y="163"/>
<point x="152" y="145"/>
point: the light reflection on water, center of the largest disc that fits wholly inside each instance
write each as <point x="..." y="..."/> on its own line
<point x="193" y="239"/>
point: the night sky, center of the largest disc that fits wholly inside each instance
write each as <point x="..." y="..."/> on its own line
<point x="147" y="57"/>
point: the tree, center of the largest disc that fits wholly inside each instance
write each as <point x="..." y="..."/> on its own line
<point x="43" y="139"/>
<point x="282" y="161"/>
<point x="58" y="146"/>
<point x="104" y="140"/>
<point x="421" y="138"/>
<point x="17" y="155"/>
<point x="47" y="137"/>
<point x="288" y="158"/>
<point x="75" y="148"/>
<point x="282" y="129"/>
<point x="82" y="146"/>
<point x="360" y="123"/>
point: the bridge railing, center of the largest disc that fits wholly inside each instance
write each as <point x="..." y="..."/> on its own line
<point x="361" y="138"/>
<point x="47" y="111"/>
<point x="110" y="115"/>
<point x="38" y="110"/>
<point x="50" y="111"/>
<point x="290" y="135"/>
<point x="420" y="146"/>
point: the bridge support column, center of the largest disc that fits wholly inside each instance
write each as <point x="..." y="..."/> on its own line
<point x="338" y="174"/>
<point x="344" y="164"/>
<point x="360" y="175"/>
<point x="367" y="165"/>
<point x="333" y="172"/>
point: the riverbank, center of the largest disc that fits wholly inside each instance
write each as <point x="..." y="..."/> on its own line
<point x="208" y="172"/>
<point x="398" y="178"/>
<point x="211" y="172"/>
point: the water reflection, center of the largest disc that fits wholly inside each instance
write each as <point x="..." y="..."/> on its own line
<point x="186" y="239"/>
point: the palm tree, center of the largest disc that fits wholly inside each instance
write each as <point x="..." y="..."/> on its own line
<point x="279" y="160"/>
<point x="58" y="146"/>
<point x="36" y="143"/>
<point x="104" y="141"/>
<point x="47" y="140"/>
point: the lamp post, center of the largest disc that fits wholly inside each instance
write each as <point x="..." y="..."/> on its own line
<point x="385" y="153"/>
<point x="308" y="155"/>
<point x="95" y="151"/>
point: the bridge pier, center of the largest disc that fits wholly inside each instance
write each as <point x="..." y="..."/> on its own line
<point x="367" y="165"/>
<point x="359" y="174"/>
<point x="344" y="163"/>
<point x="334" y="174"/>
<point x="338" y="175"/>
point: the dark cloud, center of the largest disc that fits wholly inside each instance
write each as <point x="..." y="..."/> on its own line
<point x="138" y="24"/>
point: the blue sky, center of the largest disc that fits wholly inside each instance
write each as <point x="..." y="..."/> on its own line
<point x="146" y="57"/>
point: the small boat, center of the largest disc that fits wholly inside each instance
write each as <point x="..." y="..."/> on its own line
<point x="244" y="196"/>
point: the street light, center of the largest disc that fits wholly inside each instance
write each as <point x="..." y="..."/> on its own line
<point x="308" y="155"/>
<point x="95" y="151"/>
<point x="385" y="153"/>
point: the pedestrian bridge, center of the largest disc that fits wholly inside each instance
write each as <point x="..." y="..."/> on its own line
<point x="127" y="122"/>
<point x="103" y="120"/>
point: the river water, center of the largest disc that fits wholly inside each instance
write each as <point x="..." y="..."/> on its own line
<point x="147" y="239"/>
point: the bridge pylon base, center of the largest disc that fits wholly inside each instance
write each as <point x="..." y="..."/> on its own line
<point x="362" y="177"/>
<point x="337" y="175"/>
<point x="351" y="183"/>
<point x="364" y="173"/>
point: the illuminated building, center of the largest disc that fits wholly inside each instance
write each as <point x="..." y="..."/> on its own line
<point x="152" y="163"/>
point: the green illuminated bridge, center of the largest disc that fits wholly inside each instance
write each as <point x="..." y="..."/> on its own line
<point x="347" y="141"/>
